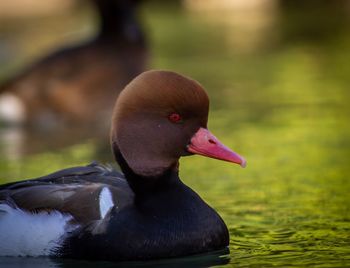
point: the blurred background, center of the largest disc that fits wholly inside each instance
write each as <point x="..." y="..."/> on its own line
<point x="278" y="76"/>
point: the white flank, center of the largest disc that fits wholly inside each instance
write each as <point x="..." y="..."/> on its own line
<point x="12" y="109"/>
<point x="26" y="234"/>
<point x="106" y="201"/>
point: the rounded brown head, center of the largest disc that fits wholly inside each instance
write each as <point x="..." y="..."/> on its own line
<point x="159" y="117"/>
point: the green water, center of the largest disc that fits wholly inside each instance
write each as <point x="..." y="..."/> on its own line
<point x="279" y="95"/>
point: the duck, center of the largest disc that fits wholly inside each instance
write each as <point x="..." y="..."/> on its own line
<point x="78" y="84"/>
<point x="142" y="212"/>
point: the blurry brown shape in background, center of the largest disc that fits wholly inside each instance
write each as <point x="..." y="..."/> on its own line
<point x="80" y="83"/>
<point x="249" y="25"/>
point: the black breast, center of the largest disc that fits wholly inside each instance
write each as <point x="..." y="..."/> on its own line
<point x="173" y="222"/>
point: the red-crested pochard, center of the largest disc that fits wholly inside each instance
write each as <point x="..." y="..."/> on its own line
<point x="79" y="84"/>
<point x="93" y="212"/>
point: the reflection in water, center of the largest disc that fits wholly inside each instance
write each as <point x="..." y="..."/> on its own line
<point x="204" y="260"/>
<point x="285" y="108"/>
<point x="12" y="142"/>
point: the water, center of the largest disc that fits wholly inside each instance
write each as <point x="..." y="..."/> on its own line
<point x="278" y="80"/>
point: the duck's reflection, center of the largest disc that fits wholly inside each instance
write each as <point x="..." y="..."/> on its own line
<point x="204" y="260"/>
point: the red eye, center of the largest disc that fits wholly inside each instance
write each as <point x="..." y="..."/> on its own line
<point x="175" y="118"/>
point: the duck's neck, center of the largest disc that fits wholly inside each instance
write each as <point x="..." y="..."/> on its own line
<point x="119" y="21"/>
<point x="146" y="186"/>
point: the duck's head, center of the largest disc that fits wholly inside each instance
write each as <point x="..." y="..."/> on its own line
<point x="159" y="117"/>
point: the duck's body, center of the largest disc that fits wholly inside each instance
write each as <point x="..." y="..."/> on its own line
<point x="172" y="220"/>
<point x="144" y="213"/>
<point x="79" y="84"/>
